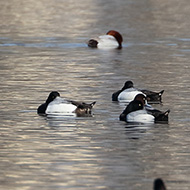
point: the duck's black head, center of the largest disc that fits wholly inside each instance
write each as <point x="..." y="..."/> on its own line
<point x="52" y="96"/>
<point x="42" y="108"/>
<point x="159" y="184"/>
<point x="128" y="84"/>
<point x="134" y="106"/>
<point x="131" y="107"/>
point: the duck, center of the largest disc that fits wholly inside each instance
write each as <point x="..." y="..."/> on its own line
<point x="113" y="39"/>
<point x="135" y="113"/>
<point x="56" y="105"/>
<point x="138" y="111"/>
<point x="128" y="93"/>
<point x="159" y="184"/>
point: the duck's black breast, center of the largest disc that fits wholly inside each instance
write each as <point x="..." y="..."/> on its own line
<point x="92" y="43"/>
<point x="115" y="95"/>
<point x="42" y="108"/>
<point x="134" y="105"/>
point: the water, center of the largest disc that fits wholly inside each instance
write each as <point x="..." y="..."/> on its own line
<point x="43" y="48"/>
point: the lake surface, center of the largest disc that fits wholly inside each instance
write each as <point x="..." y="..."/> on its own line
<point x="43" y="48"/>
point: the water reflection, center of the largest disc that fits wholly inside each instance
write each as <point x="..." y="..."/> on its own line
<point x="134" y="131"/>
<point x="42" y="48"/>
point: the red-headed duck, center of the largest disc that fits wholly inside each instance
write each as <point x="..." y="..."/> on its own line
<point x="112" y="39"/>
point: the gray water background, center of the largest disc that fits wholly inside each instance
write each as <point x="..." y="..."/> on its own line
<point x="43" y="48"/>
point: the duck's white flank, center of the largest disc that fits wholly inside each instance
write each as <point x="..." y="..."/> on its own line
<point x="140" y="116"/>
<point x="128" y="95"/>
<point x="107" y="41"/>
<point x="60" y="106"/>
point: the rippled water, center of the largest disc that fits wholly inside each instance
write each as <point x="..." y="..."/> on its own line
<point x="43" y="48"/>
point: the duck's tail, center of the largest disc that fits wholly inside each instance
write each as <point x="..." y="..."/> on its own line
<point x="161" y="92"/>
